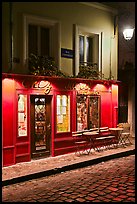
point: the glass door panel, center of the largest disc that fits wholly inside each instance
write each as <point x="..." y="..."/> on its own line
<point x="40" y="123"/>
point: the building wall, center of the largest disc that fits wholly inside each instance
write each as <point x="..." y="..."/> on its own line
<point x="67" y="14"/>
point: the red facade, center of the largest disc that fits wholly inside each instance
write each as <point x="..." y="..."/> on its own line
<point x="17" y="148"/>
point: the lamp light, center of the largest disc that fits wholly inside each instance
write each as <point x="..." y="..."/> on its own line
<point x="128" y="33"/>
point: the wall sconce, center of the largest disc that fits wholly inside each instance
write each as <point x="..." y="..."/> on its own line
<point x="128" y="33"/>
<point x="125" y="17"/>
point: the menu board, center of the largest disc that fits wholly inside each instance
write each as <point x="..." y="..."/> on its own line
<point x="22" y="115"/>
<point x="63" y="113"/>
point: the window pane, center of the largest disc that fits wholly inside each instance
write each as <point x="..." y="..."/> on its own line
<point x="88" y="112"/>
<point x="89" y="49"/>
<point x="82" y="113"/>
<point x="94" y="112"/>
<point x="33" y="40"/>
<point x="63" y="113"/>
<point x="22" y="115"/>
<point x="45" y="41"/>
<point x="81" y="48"/>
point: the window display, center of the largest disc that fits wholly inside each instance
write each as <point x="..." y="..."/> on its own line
<point x="82" y="111"/>
<point x="63" y="113"/>
<point x="22" y="115"/>
<point x="88" y="112"/>
<point x="94" y="111"/>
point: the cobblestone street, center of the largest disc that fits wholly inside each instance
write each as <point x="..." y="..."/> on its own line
<point x="110" y="181"/>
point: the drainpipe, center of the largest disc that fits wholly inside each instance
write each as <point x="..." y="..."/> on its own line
<point x="11" y="34"/>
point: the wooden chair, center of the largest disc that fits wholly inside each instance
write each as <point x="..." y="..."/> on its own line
<point x="105" y="139"/>
<point x="81" y="145"/>
<point x="125" y="134"/>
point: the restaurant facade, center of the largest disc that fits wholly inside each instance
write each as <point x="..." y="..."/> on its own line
<point x="40" y="113"/>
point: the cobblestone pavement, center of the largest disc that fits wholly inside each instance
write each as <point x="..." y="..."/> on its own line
<point x="110" y="181"/>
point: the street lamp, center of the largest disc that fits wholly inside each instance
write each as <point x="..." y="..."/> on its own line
<point x="128" y="33"/>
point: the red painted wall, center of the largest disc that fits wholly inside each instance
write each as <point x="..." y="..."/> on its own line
<point x="114" y="105"/>
<point x="106" y="104"/>
<point x="106" y="110"/>
<point x="8" y="121"/>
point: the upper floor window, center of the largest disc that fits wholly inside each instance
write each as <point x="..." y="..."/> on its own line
<point x="41" y="37"/>
<point x="89" y="49"/>
<point x="39" y="40"/>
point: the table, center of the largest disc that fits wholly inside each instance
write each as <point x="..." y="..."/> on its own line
<point x="89" y="137"/>
<point x="117" y="132"/>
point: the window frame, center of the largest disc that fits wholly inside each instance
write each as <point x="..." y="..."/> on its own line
<point x="78" y="30"/>
<point x="88" y="116"/>
<point x="39" y="38"/>
<point x="55" y="33"/>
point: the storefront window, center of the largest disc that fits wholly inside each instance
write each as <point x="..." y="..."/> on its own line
<point x="88" y="112"/>
<point x="63" y="113"/>
<point x="94" y="112"/>
<point x="82" y="111"/>
<point x="22" y="115"/>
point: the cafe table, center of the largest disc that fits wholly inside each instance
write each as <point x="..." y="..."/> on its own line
<point x="89" y="136"/>
<point x="117" y="132"/>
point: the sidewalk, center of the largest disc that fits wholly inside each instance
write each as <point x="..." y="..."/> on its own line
<point x="52" y="165"/>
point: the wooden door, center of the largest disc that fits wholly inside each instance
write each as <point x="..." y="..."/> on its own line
<point x="40" y="123"/>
